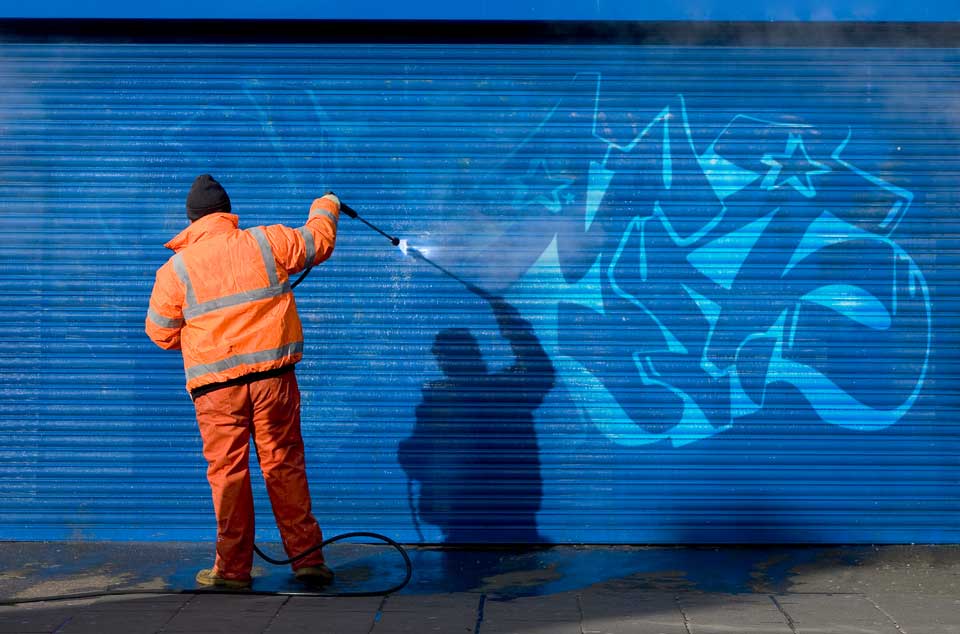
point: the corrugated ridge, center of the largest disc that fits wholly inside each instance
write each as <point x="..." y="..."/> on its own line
<point x="100" y="143"/>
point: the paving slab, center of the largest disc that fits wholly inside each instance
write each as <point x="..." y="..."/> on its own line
<point x="529" y="627"/>
<point x="98" y="622"/>
<point x="917" y="613"/>
<point x="835" y="614"/>
<point x="622" y="612"/>
<point x="133" y="614"/>
<point x="311" y="621"/>
<point x="448" y="602"/>
<point x="232" y="614"/>
<point x="139" y="602"/>
<point x="559" y="613"/>
<point x="555" y="607"/>
<point x="325" y="606"/>
<point x="559" y="590"/>
<point x="732" y="613"/>
<point x="33" y="619"/>
<point x="613" y="624"/>
<point x="453" y="613"/>
<point x="414" y="623"/>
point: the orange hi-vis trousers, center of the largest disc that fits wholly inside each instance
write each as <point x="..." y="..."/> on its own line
<point x="269" y="410"/>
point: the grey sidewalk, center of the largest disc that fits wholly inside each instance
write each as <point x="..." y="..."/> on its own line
<point x="575" y="590"/>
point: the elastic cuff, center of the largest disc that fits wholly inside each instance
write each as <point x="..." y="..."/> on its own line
<point x="324" y="204"/>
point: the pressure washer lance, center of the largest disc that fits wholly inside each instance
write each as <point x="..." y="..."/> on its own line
<point x="406" y="249"/>
<point x="350" y="211"/>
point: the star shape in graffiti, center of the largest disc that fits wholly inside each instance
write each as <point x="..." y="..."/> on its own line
<point x="537" y="187"/>
<point x="791" y="168"/>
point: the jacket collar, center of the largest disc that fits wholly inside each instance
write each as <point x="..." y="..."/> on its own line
<point x="209" y="225"/>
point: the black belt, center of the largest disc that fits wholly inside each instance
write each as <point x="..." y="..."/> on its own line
<point x="240" y="380"/>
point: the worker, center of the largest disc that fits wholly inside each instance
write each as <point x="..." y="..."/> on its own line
<point x="224" y="300"/>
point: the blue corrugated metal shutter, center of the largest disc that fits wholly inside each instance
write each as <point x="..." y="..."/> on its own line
<point x="739" y="265"/>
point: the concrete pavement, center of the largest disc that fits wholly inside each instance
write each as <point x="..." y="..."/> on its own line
<point x="561" y="590"/>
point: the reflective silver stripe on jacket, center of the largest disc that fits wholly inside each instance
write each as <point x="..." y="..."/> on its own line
<point x="275" y="289"/>
<point x="267" y="253"/>
<point x="329" y="214"/>
<point x="163" y="322"/>
<point x="311" y="245"/>
<point x="244" y="359"/>
<point x="237" y="298"/>
<point x="181" y="270"/>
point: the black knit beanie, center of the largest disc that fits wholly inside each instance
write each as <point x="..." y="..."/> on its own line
<point x="205" y="197"/>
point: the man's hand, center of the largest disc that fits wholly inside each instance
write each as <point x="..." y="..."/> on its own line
<point x="344" y="209"/>
<point x="333" y="197"/>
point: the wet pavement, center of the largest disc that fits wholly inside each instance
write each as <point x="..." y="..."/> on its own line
<point x="557" y="590"/>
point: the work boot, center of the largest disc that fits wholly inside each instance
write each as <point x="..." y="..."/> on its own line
<point x="207" y="577"/>
<point x="314" y="575"/>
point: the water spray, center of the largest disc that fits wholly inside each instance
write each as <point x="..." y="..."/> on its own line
<point x="413" y="252"/>
<point x="473" y="288"/>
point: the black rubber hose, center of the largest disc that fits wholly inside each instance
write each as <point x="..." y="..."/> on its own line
<point x="282" y="593"/>
<point x="302" y="277"/>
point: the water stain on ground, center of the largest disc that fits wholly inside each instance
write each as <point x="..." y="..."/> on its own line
<point x="75" y="583"/>
<point x="521" y="579"/>
<point x="34" y="569"/>
<point x="355" y="575"/>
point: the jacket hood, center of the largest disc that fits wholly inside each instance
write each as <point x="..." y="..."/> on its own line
<point x="209" y="225"/>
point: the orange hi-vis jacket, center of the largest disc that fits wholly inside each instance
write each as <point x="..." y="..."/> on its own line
<point x="224" y="298"/>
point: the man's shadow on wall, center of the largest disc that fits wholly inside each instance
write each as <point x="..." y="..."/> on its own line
<point x="474" y="448"/>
